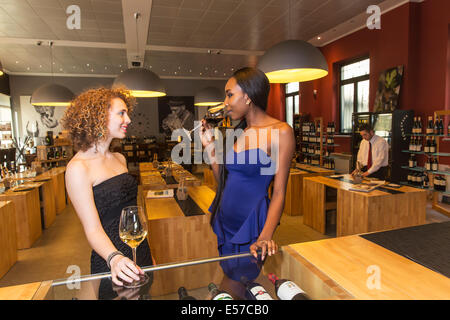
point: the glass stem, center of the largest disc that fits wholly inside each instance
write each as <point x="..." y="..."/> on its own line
<point x="134" y="255"/>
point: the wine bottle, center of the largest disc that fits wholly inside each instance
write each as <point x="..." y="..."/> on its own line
<point x="427" y="146"/>
<point x="435" y="165"/>
<point x="433" y="145"/>
<point x="217" y="294"/>
<point x="441" y="126"/>
<point x="428" y="164"/>
<point x="414" y="128"/>
<point x="426" y="181"/>
<point x="436" y="126"/>
<point x="419" y="125"/>
<point x="286" y="289"/>
<point x="411" y="161"/>
<point x="183" y="294"/>
<point x="430" y="127"/>
<point x="254" y="291"/>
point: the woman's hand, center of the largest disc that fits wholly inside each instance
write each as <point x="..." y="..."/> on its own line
<point x="206" y="133"/>
<point x="266" y="246"/>
<point x="124" y="269"/>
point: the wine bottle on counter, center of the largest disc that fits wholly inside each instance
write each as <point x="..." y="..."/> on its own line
<point x="286" y="289"/>
<point x="430" y="127"/>
<point x="254" y="291"/>
<point x="217" y="294"/>
<point x="183" y="294"/>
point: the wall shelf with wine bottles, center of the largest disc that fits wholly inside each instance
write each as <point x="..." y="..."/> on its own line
<point x="419" y="176"/>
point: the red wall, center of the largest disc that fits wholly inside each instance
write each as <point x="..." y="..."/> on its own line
<point x="414" y="35"/>
<point x="276" y="105"/>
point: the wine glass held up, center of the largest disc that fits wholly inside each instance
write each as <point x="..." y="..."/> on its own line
<point x="213" y="117"/>
<point x="132" y="231"/>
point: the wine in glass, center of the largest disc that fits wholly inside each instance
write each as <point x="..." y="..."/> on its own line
<point x="132" y="231"/>
<point x="213" y="116"/>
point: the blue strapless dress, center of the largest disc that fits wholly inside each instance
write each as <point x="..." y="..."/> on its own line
<point x="242" y="213"/>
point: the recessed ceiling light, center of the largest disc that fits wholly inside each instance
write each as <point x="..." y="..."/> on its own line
<point x="200" y="73"/>
<point x="17" y="61"/>
<point x="318" y="38"/>
<point x="87" y="64"/>
<point x="28" y="68"/>
<point x="232" y="69"/>
<point x="40" y="66"/>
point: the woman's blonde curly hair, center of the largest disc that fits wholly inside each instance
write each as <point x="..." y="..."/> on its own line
<point x="86" y="118"/>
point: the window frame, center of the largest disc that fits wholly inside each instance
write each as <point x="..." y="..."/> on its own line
<point x="353" y="81"/>
<point x="291" y="95"/>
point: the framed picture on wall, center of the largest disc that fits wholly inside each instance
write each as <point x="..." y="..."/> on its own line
<point x="37" y="120"/>
<point x="175" y="113"/>
<point x="387" y="97"/>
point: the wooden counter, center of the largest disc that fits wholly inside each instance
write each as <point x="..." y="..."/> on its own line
<point x="8" y="237"/>
<point x="293" y="205"/>
<point x="346" y="261"/>
<point x="360" y="212"/>
<point x="28" y="215"/>
<point x="152" y="179"/>
<point x="174" y="237"/>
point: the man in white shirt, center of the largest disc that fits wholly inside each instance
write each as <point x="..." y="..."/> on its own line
<point x="373" y="154"/>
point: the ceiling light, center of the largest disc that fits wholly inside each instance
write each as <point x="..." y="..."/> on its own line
<point x="52" y="94"/>
<point x="1" y="69"/>
<point x="293" y="61"/>
<point x="318" y="38"/>
<point x="141" y="82"/>
<point x="209" y="96"/>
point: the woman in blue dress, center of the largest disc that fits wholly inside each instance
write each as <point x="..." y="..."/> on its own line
<point x="242" y="216"/>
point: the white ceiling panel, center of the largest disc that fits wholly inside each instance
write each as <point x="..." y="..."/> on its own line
<point x="245" y="26"/>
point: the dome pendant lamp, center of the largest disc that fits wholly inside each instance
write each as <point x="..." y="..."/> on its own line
<point x="209" y="96"/>
<point x="141" y="83"/>
<point x="293" y="61"/>
<point x="1" y="69"/>
<point x="52" y="94"/>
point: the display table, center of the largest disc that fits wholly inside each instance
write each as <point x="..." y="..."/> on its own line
<point x="360" y="212"/>
<point x="174" y="237"/>
<point x="293" y="205"/>
<point x="152" y="179"/>
<point x="27" y="213"/>
<point x="8" y="237"/>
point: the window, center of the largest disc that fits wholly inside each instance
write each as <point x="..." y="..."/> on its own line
<point x="292" y="102"/>
<point x="354" y="91"/>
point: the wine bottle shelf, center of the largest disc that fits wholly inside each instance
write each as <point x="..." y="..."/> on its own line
<point x="421" y="169"/>
<point x="420" y="187"/>
<point x="440" y="154"/>
<point x="426" y="135"/>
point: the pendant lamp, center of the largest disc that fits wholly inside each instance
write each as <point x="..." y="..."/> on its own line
<point x="293" y="61"/>
<point x="141" y="83"/>
<point x="209" y="96"/>
<point x="52" y="94"/>
<point x="1" y="69"/>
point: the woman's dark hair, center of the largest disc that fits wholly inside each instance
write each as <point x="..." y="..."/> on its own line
<point x="255" y="84"/>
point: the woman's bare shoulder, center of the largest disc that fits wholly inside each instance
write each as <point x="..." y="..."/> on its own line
<point x="77" y="166"/>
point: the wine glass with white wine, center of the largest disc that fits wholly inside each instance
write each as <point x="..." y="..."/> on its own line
<point x="132" y="231"/>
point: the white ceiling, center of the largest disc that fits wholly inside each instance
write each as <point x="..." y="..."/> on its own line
<point x="172" y="37"/>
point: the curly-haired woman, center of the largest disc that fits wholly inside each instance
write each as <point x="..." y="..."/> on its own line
<point x="98" y="182"/>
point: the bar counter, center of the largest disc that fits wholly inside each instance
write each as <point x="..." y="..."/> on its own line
<point x="360" y="212"/>
<point x="344" y="268"/>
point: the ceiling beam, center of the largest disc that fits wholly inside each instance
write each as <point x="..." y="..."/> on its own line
<point x="136" y="21"/>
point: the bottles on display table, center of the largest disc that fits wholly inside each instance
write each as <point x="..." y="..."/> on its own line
<point x="255" y="291"/>
<point x="217" y="294"/>
<point x="286" y="289"/>
<point x="329" y="164"/>
<point x="183" y="294"/>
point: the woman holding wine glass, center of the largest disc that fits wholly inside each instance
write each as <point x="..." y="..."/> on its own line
<point x="100" y="188"/>
<point x="242" y="217"/>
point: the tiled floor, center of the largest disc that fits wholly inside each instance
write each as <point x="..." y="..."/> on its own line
<point x="64" y="244"/>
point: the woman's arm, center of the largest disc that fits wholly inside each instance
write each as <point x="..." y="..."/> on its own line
<point x="286" y="147"/>
<point x="79" y="189"/>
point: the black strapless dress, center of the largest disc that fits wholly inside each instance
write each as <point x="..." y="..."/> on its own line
<point x="111" y="196"/>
